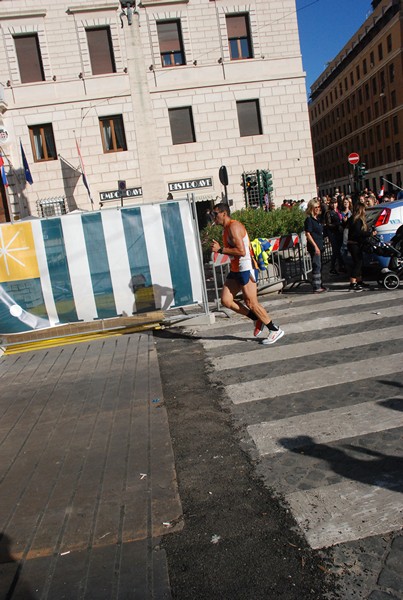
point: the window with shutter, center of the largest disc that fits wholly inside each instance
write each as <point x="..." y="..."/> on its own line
<point x="239" y="38"/>
<point x="29" y="58"/>
<point x="249" y="117"/>
<point x="171" y="44"/>
<point x="101" y="50"/>
<point x="182" y="127"/>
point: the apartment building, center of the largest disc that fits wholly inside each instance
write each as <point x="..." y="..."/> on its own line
<point x="149" y="100"/>
<point x="357" y="105"/>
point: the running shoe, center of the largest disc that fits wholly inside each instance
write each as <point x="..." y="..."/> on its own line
<point x="273" y="337"/>
<point x="259" y="326"/>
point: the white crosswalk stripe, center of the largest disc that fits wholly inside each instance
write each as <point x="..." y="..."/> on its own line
<point x="325" y="426"/>
<point x="250" y="391"/>
<point x="326" y="522"/>
<point x="297" y="350"/>
<point x="336" y="457"/>
<point x="309" y="324"/>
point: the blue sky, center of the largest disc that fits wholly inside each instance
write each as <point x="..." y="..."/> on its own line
<point x="324" y="27"/>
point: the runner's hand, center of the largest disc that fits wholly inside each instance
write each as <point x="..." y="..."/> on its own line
<point x="215" y="246"/>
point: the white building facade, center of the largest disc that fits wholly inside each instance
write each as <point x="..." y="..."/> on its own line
<point x="158" y="105"/>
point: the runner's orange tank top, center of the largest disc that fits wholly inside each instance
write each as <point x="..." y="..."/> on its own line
<point x="238" y="263"/>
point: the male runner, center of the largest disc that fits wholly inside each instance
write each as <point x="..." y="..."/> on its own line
<point x="242" y="276"/>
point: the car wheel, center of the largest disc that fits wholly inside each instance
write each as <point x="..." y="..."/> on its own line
<point x="391" y="281"/>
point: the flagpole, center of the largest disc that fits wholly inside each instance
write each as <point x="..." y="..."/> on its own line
<point x="85" y="180"/>
<point x="69" y="163"/>
<point x="25" y="165"/>
<point x="391" y="183"/>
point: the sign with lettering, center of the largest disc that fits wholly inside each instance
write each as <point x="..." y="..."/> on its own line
<point x="118" y="194"/>
<point x="180" y="186"/>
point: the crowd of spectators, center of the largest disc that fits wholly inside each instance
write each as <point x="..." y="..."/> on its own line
<point x="343" y="221"/>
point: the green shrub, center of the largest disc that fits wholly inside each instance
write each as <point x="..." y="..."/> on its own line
<point x="258" y="223"/>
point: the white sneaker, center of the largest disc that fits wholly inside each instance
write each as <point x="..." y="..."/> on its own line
<point x="273" y="337"/>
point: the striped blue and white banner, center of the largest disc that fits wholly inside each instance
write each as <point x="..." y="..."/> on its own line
<point x="97" y="265"/>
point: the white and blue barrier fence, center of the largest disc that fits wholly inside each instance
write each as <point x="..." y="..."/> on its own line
<point x="98" y="265"/>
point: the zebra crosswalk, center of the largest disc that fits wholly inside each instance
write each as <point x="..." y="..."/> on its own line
<point x="322" y="409"/>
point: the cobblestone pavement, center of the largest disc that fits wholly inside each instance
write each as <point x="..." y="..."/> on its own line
<point x="321" y="414"/>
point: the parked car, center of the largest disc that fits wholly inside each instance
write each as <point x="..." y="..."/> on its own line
<point x="386" y="218"/>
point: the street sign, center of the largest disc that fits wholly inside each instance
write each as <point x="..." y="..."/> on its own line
<point x="223" y="175"/>
<point x="353" y="158"/>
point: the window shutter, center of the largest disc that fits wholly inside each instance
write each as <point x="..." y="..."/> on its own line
<point x="100" y="49"/>
<point x="29" y="58"/>
<point x="237" y="27"/>
<point x="168" y="37"/>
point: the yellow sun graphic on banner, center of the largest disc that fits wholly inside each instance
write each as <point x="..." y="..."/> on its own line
<point x="17" y="253"/>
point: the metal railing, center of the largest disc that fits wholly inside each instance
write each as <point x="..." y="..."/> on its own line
<point x="290" y="265"/>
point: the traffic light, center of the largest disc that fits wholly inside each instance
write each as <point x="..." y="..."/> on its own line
<point x="251" y="188"/>
<point x="361" y="171"/>
<point x="250" y="183"/>
<point x="267" y="181"/>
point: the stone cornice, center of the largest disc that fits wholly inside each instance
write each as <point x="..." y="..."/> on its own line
<point x="22" y="14"/>
<point x="85" y="8"/>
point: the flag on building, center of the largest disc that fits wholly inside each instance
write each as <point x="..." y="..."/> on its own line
<point x="3" y="172"/>
<point x="27" y="171"/>
<point x="85" y="180"/>
<point x="381" y="192"/>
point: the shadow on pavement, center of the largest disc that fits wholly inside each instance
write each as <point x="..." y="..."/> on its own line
<point x="378" y="469"/>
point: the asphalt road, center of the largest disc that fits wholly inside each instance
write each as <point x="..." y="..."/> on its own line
<point x="238" y="541"/>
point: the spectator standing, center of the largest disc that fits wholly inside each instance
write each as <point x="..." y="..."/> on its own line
<point x="335" y="235"/>
<point x="314" y="235"/>
<point x="346" y="209"/>
<point x="358" y="233"/>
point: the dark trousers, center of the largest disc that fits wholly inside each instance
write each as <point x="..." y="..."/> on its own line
<point x="356" y="256"/>
<point x="316" y="270"/>
<point x="336" y="240"/>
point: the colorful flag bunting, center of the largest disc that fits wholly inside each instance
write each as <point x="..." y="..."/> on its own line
<point x="3" y="172"/>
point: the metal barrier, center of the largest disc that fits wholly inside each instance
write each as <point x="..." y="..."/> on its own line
<point x="269" y="277"/>
<point x="327" y="251"/>
<point x="296" y="261"/>
<point x="290" y="264"/>
<point x="220" y="264"/>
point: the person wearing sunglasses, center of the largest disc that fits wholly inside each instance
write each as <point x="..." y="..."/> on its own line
<point x="242" y="276"/>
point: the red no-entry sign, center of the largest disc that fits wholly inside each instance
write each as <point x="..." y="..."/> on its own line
<point x="353" y="158"/>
